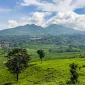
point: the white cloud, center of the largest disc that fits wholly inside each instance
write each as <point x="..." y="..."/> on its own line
<point x="55" y="5"/>
<point x="12" y="23"/>
<point x="30" y="2"/>
<point x="37" y="18"/>
<point x="68" y="19"/>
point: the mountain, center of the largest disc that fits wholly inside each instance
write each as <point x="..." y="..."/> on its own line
<point x="58" y="29"/>
<point x="23" y="30"/>
<point x="34" y="30"/>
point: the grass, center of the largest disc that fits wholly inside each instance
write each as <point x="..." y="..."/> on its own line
<point x="51" y="72"/>
<point x="54" y="70"/>
<point x="53" y="56"/>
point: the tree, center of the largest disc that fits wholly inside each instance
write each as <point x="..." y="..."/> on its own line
<point x="18" y="59"/>
<point x="74" y="74"/>
<point x="41" y="54"/>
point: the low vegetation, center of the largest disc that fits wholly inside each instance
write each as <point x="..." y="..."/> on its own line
<point x="50" y="72"/>
<point x="57" y="54"/>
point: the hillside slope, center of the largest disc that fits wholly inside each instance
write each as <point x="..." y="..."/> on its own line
<point x="52" y="72"/>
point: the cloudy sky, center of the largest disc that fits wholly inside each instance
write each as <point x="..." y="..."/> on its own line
<point x="69" y="13"/>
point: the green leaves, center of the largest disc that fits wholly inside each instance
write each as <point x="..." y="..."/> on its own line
<point x="41" y="53"/>
<point x="18" y="60"/>
<point x="74" y="74"/>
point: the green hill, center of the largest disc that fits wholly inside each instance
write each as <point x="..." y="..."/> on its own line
<point x="51" y="72"/>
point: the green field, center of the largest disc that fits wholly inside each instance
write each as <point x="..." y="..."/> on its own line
<point x="51" y="72"/>
<point x="54" y="70"/>
<point x="54" y="55"/>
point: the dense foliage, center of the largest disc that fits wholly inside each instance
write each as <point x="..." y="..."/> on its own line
<point x="60" y="40"/>
<point x="74" y="73"/>
<point x="18" y="60"/>
<point x="41" y="54"/>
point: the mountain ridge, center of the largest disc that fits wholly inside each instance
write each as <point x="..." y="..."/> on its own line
<point x="34" y="30"/>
